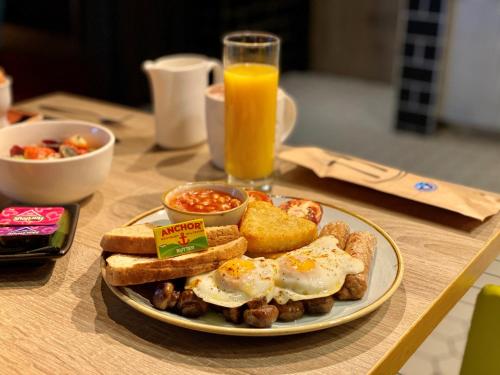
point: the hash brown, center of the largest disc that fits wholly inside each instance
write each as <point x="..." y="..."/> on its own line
<point x="269" y="229"/>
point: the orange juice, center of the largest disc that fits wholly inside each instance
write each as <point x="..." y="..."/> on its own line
<point x="250" y="120"/>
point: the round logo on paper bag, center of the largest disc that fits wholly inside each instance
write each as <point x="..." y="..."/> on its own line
<point x="425" y="186"/>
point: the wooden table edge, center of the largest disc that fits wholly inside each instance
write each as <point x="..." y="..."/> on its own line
<point x="394" y="359"/>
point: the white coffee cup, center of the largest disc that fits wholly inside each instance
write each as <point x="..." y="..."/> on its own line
<point x="178" y="83"/>
<point x="286" y="116"/>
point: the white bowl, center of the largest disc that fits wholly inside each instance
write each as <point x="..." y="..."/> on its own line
<point x="211" y="219"/>
<point x="55" y="181"/>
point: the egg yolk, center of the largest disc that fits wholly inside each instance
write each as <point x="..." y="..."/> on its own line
<point x="301" y="265"/>
<point x="235" y="268"/>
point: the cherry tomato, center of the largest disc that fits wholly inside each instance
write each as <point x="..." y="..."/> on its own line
<point x="303" y="208"/>
<point x="254" y="195"/>
<point x="37" y="153"/>
<point x="16" y="151"/>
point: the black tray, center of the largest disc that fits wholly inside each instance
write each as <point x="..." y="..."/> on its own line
<point x="73" y="210"/>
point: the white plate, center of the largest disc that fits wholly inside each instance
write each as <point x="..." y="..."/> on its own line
<point x="385" y="277"/>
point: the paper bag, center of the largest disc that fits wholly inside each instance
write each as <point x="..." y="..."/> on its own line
<point x="470" y="202"/>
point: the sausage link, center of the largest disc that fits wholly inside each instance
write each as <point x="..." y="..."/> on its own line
<point x="360" y="245"/>
<point x="233" y="315"/>
<point x="190" y="305"/>
<point x="320" y="305"/>
<point x="165" y="296"/>
<point x="262" y="317"/>
<point x="292" y="310"/>
<point x="256" y="303"/>
<point x="339" y="230"/>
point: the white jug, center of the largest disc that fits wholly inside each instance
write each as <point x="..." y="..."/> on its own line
<point x="178" y="84"/>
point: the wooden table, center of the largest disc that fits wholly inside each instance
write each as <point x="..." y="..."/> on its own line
<point x="61" y="318"/>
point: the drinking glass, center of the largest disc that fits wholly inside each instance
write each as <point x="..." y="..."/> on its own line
<point x="251" y="71"/>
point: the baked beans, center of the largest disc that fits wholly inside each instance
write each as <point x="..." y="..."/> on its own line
<point x="203" y="200"/>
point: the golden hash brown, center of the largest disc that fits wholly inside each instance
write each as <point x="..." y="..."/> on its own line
<point x="269" y="229"/>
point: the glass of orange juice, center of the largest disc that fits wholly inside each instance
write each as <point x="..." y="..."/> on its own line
<point x="251" y="71"/>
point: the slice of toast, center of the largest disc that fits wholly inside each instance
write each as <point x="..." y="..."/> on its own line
<point x="269" y="229"/>
<point x="139" y="238"/>
<point x="124" y="269"/>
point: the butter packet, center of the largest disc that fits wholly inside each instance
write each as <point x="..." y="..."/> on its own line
<point x="180" y="238"/>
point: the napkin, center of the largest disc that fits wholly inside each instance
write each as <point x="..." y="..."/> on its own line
<point x="475" y="203"/>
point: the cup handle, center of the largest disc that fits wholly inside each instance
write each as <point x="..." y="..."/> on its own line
<point x="289" y="117"/>
<point x="216" y="66"/>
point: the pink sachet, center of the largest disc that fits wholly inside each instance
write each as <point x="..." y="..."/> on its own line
<point x="16" y="216"/>
<point x="32" y="230"/>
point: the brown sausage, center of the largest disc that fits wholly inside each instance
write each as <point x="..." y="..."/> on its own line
<point x="190" y="305"/>
<point x="233" y="314"/>
<point x="256" y="303"/>
<point x="339" y="230"/>
<point x="165" y="296"/>
<point x="320" y="305"/>
<point x="360" y="245"/>
<point x="292" y="310"/>
<point x="261" y="317"/>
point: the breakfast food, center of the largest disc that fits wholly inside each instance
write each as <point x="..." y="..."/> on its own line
<point x="303" y="208"/>
<point x="16" y="115"/>
<point x="52" y="149"/>
<point x="236" y="282"/>
<point x="259" y="291"/>
<point x="360" y="245"/>
<point x="269" y="229"/>
<point x="266" y="255"/>
<point x="254" y="195"/>
<point x="139" y="238"/>
<point x="339" y="229"/>
<point x="273" y="267"/>
<point x="313" y="271"/>
<point x="203" y="200"/>
<point x="316" y="270"/>
<point x="124" y="269"/>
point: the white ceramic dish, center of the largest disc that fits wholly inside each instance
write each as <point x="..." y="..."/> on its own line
<point x="212" y="219"/>
<point x="5" y="101"/>
<point x="56" y="181"/>
<point x="385" y="277"/>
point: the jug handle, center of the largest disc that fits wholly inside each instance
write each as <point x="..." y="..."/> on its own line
<point x="216" y="66"/>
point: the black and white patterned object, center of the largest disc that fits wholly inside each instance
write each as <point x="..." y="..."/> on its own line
<point x="423" y="31"/>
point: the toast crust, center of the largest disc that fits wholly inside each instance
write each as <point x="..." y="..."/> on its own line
<point x="134" y="276"/>
<point x="124" y="269"/>
<point x="139" y="238"/>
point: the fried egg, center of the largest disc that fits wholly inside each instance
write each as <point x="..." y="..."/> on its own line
<point x="236" y="282"/>
<point x="316" y="270"/>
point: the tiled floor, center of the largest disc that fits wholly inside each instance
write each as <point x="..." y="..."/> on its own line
<point x="441" y="352"/>
<point x="356" y="117"/>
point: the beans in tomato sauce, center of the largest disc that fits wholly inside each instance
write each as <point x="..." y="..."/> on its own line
<point x="204" y="200"/>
